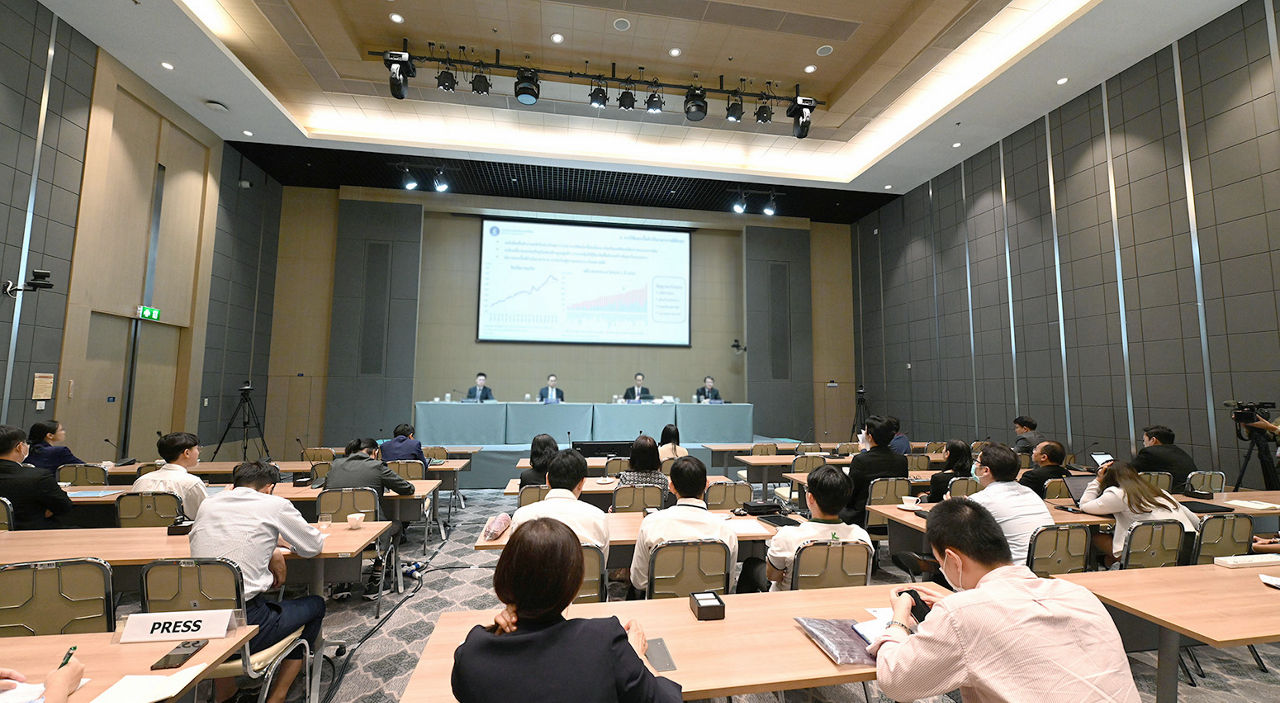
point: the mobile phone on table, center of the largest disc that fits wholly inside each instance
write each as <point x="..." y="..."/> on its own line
<point x="919" y="609"/>
<point x="179" y="655"/>
<point x="1068" y="508"/>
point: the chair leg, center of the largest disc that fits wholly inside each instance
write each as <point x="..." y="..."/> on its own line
<point x="866" y="692"/>
<point x="1257" y="658"/>
<point x="1183" y="663"/>
<point x="1195" y="661"/>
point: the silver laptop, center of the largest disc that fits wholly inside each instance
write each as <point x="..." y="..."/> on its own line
<point x="1076" y="486"/>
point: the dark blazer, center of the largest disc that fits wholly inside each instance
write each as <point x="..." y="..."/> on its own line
<point x="402" y="448"/>
<point x="32" y="492"/>
<point x="363" y="471"/>
<point x="940" y="482"/>
<point x="580" y="660"/>
<point x="532" y="477"/>
<point x="1166" y="457"/>
<point x="900" y="443"/>
<point x="47" y="456"/>
<point x="1026" y="443"/>
<point x="486" y="393"/>
<point x="878" y="462"/>
<point x="1036" y="478"/>
<point x="542" y="394"/>
<point x="630" y="393"/>
<point x="702" y="392"/>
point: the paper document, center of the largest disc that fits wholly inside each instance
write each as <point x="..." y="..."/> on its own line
<point x="1254" y="504"/>
<point x="28" y="693"/>
<point x="147" y="689"/>
<point x="94" y="494"/>
<point x="1270" y="580"/>
<point x="745" y="527"/>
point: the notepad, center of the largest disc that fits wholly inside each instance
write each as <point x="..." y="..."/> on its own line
<point x="1254" y="504"/>
<point x="94" y="494"/>
<point x="149" y="688"/>
<point x="28" y="692"/>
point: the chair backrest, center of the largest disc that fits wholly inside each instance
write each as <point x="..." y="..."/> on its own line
<point x="1223" y="535"/>
<point x="1056" y="488"/>
<point x="963" y="486"/>
<point x="170" y="585"/>
<point x="314" y="454"/>
<point x="56" y="598"/>
<point x="885" y="491"/>
<point x="727" y="496"/>
<point x="978" y="446"/>
<point x="408" y="469"/>
<point x="147" y="509"/>
<point x="845" y="448"/>
<point x="1024" y="461"/>
<point x="1162" y="480"/>
<point x="6" y="515"/>
<point x="635" y="498"/>
<point x="806" y="447"/>
<point x="831" y="564"/>
<point x="935" y="447"/>
<point x="532" y="494"/>
<point x="435" y="453"/>
<point x="679" y="568"/>
<point x="595" y="584"/>
<point x="1211" y="481"/>
<point x="616" y="465"/>
<point x="341" y="502"/>
<point x="147" y="467"/>
<point x="1059" y="549"/>
<point x="82" y="475"/>
<point x="666" y="466"/>
<point x="1152" y="544"/>
<point x="804" y="464"/>
<point x="764" y="449"/>
<point x="1070" y="459"/>
<point x="917" y="462"/>
<point x="320" y="469"/>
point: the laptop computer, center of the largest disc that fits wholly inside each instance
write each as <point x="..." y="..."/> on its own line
<point x="1076" y="486"/>
<point x="1100" y="458"/>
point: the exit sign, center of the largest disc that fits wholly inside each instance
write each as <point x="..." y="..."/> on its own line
<point x="146" y="313"/>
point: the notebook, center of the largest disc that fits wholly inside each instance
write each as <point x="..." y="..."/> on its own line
<point x="838" y="639"/>
<point x="1076" y="485"/>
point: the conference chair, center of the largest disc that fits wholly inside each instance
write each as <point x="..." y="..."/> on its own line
<point x="1162" y="480"/>
<point x="436" y="453"/>
<point x="963" y="486"/>
<point x="408" y="469"/>
<point x="173" y="585"/>
<point x="82" y="475"/>
<point x="1222" y="535"/>
<point x="341" y="502"/>
<point x="1024" y="461"/>
<point x="884" y="491"/>
<point x="315" y="454"/>
<point x="6" y="515"/>
<point x="595" y="583"/>
<point x="916" y="565"/>
<point x="679" y="568"/>
<point x="532" y="494"/>
<point x="808" y="447"/>
<point x="616" y="465"/>
<point x="831" y="564"/>
<point x="1152" y="544"/>
<point x="764" y="449"/>
<point x="727" y="496"/>
<point x="1070" y="459"/>
<point x="1059" y="549"/>
<point x="802" y="464"/>
<point x="1211" y="481"/>
<point x="666" y="466"/>
<point x="319" y="470"/>
<point x="636" y="498"/>
<point x="935" y="447"/>
<point x="978" y="446"/>
<point x="148" y="509"/>
<point x="1056" y="488"/>
<point x="847" y="448"/>
<point x="917" y="462"/>
<point x="58" y="597"/>
<point x="147" y="467"/>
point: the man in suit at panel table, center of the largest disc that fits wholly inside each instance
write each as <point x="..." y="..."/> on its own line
<point x="36" y="497"/>
<point x="878" y="461"/>
<point x="638" y="391"/>
<point x="549" y="393"/>
<point x="1159" y="453"/>
<point x="480" y="392"/>
<point x="707" y="391"/>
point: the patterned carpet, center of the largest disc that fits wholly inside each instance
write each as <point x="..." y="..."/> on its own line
<point x="461" y="579"/>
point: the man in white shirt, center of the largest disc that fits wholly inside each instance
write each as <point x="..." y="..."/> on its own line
<point x="255" y="530"/>
<point x="1017" y="509"/>
<point x="1005" y="634"/>
<point x="566" y="475"/>
<point x="828" y="493"/>
<point x="688" y="519"/>
<point x="181" y="453"/>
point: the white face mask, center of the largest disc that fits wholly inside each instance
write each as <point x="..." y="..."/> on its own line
<point x="973" y="469"/>
<point x="955" y="582"/>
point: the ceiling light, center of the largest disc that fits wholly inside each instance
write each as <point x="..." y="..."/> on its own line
<point x="247" y="133"/>
<point x="810" y="68"/>
<point x="733" y="110"/>
<point x="400" y="68"/>
<point x="557" y="38"/>
<point x="888" y="187"/>
<point x="166" y="65"/>
<point x="446" y="81"/>
<point x="441" y="185"/>
<point x="480" y="84"/>
<point x="695" y="104"/>
<point x="408" y="181"/>
<point x="1062" y="80"/>
<point x="598" y="97"/>
<point x="653" y="103"/>
<point x="397" y="18"/>
<point x="740" y="205"/>
<point x="527" y="89"/>
<point x="764" y="113"/>
<point x="675" y="51"/>
<point x="627" y="100"/>
<point x="770" y="206"/>
<point x="825" y="50"/>
<point x="956" y="145"/>
<point x="622" y="24"/>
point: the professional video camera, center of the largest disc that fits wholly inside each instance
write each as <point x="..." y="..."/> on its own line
<point x="1244" y="413"/>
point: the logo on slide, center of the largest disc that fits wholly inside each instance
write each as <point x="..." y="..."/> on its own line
<point x="493" y="231"/>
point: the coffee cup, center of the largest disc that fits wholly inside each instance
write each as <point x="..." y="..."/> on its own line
<point x="911" y="501"/>
<point x="355" y="520"/>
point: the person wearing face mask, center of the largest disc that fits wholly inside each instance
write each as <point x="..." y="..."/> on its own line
<point x="36" y="497"/>
<point x="1017" y="509"/>
<point x="1067" y="646"/>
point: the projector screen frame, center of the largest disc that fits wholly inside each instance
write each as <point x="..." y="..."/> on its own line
<point x="570" y="223"/>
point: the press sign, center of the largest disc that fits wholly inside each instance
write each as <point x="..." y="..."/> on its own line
<point x="146" y="313"/>
<point x="189" y="625"/>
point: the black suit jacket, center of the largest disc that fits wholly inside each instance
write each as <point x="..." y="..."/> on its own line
<point x="44" y="456"/>
<point x="939" y="483"/>
<point x="32" y="491"/>
<point x="630" y="393"/>
<point x="878" y="462"/>
<point x="363" y="471"/>
<point x="585" y="661"/>
<point x="486" y="393"/>
<point x="542" y="394"/>
<point x="1027" y="443"/>
<point x="1166" y="457"/>
<point x="702" y="392"/>
<point x="1036" y="478"/>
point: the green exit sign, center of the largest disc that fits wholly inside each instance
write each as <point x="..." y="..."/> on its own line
<point x="146" y="313"/>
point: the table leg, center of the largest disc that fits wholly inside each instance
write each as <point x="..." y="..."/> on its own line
<point x="1167" y="666"/>
<point x="317" y="577"/>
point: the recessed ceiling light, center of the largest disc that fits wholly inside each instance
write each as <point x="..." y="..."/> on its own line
<point x="888" y="187"/>
<point x="247" y="133"/>
<point x="810" y="68"/>
<point x="825" y="50"/>
<point x="216" y="106"/>
<point x="166" y="65"/>
<point x="622" y="24"/>
<point x="675" y="51"/>
<point x="397" y="17"/>
<point x="557" y="38"/>
<point x="1062" y="80"/>
<point x="956" y="145"/>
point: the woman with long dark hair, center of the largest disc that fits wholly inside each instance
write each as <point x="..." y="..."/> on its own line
<point x="958" y="462"/>
<point x="47" y="451"/>
<point x="1120" y="491"/>
<point x="646" y="467"/>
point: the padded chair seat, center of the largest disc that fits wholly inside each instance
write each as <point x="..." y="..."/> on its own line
<point x="258" y="661"/>
<point x="784" y="492"/>
<point x="742" y="475"/>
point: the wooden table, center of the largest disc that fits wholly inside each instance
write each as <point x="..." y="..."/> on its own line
<point x="906" y="529"/>
<point x="220" y="469"/>
<point x="768" y="468"/>
<point x="106" y="663"/>
<point x="1215" y="605"/>
<point x="758" y="647"/>
<point x="596" y="491"/>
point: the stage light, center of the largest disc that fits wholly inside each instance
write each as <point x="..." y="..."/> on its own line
<point x="770" y="206"/>
<point x="733" y="111"/>
<point x="695" y="104"/>
<point x="764" y="113"/>
<point x="446" y="81"/>
<point x="627" y="100"/>
<point x="654" y="102"/>
<point x="480" y="84"/>
<point x="408" y="181"/>
<point x="441" y="185"/>
<point x="598" y="97"/>
<point x="740" y="204"/>
<point x="527" y="88"/>
<point x="401" y="69"/>
<point x="801" y="113"/>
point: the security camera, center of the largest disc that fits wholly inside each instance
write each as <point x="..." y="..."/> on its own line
<point x="401" y="67"/>
<point x="39" y="280"/>
<point x="801" y="113"/>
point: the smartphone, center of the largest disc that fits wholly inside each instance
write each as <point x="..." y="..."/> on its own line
<point x="919" y="609"/>
<point x="179" y="655"/>
<point x="1068" y="508"/>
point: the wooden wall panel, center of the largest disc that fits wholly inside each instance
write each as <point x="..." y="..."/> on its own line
<point x="830" y="251"/>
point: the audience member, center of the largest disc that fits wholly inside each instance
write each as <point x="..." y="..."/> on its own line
<point x="646" y="467"/>
<point x="669" y="444"/>
<point x="403" y="446"/>
<point x="480" y="391"/>
<point x="1017" y="509"/>
<point x="879" y="461"/>
<point x="1019" y="637"/>
<point x="46" y="439"/>
<point x="1121" y="492"/>
<point x="1159" y="453"/>
<point x="957" y="463"/>
<point x="181" y="454"/>
<point x="36" y="497"/>
<point x="1028" y="437"/>
<point x="900" y="443"/>
<point x="541" y="450"/>
<point x="362" y="467"/>
<point x="687" y="519"/>
<point x="58" y="684"/>
<point x="566" y="474"/>
<point x="532" y="653"/>
<point x="1047" y="458"/>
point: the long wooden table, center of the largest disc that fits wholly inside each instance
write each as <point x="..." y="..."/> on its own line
<point x="220" y="469"/>
<point x="1212" y="604"/>
<point x="106" y="662"/>
<point x="596" y="491"/>
<point x="758" y="647"/>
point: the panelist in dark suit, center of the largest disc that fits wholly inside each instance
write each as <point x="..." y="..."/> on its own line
<point x="36" y="497"/>
<point x="550" y="391"/>
<point x="532" y="653"/>
<point x="638" y="391"/>
<point x="1159" y="453"/>
<point x="879" y="461"/>
<point x="707" y="391"/>
<point x="480" y="391"/>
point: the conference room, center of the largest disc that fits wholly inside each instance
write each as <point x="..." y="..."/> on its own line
<point x="392" y="351"/>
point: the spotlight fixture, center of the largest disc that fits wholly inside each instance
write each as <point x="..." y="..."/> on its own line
<point x="810" y="68"/>
<point x="396" y="17"/>
<point x="733" y="111"/>
<point x="557" y="38"/>
<point x="740" y="204"/>
<point x="598" y="97"/>
<point x="654" y="102"/>
<point x="480" y="84"/>
<point x="401" y="69"/>
<point x="956" y="145"/>
<point x="527" y="88"/>
<point x="627" y="99"/>
<point x="770" y="205"/>
<point x="441" y="185"/>
<point x="408" y="181"/>
<point x="764" y="113"/>
<point x="695" y="104"/>
<point x="801" y="113"/>
<point x="446" y="81"/>
<point x="246" y="133"/>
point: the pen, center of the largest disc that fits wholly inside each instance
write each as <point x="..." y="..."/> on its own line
<point x="67" y="658"/>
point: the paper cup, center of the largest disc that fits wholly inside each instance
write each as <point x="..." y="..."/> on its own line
<point x="355" y="520"/>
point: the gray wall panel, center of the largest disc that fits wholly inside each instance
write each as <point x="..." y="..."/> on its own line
<point x="779" y="329"/>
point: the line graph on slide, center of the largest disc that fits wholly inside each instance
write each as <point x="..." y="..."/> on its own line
<point x="631" y="301"/>
<point x="535" y="304"/>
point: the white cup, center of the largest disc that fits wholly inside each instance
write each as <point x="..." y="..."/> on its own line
<point x="448" y="397"/>
<point x="911" y="501"/>
<point x="355" y="520"/>
<point x="436" y="399"/>
<point x="527" y="397"/>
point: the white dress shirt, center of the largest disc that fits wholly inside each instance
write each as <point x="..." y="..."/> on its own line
<point x="172" y="478"/>
<point x="688" y="519"/>
<point x="1018" y="511"/>
<point x="783" y="545"/>
<point x="1013" y="637"/>
<point x="245" y="526"/>
<point x="586" y="520"/>
<point x="1112" y="502"/>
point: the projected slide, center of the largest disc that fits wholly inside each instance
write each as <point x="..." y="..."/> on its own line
<point x="543" y="282"/>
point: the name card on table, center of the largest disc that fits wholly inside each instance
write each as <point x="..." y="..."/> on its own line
<point x="187" y="625"/>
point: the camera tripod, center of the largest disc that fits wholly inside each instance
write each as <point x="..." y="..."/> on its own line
<point x="249" y="420"/>
<point x="1258" y="441"/>
<point x="860" y="414"/>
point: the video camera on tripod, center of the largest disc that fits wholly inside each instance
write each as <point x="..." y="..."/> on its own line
<point x="1244" y="413"/>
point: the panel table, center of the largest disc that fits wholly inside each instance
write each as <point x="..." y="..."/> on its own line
<point x="460" y="423"/>
<point x="621" y="421"/>
<point x="560" y="420"/>
<point x="731" y="422"/>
